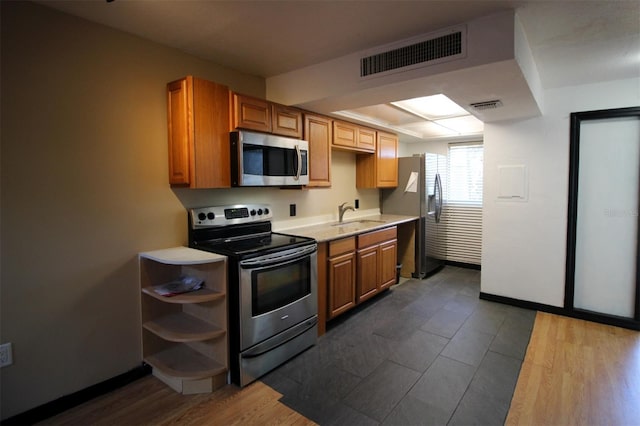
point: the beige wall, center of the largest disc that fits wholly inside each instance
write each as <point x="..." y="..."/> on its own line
<point x="84" y="189"/>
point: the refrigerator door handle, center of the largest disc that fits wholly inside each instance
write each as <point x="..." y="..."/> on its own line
<point x="438" y="192"/>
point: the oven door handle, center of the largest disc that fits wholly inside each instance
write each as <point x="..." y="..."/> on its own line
<point x="277" y="258"/>
<point x="280" y="339"/>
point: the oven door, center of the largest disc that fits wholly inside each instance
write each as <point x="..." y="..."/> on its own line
<point x="277" y="291"/>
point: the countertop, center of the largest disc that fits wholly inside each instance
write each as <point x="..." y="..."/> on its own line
<point x="333" y="230"/>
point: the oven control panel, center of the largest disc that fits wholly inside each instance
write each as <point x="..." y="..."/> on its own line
<point x="205" y="217"/>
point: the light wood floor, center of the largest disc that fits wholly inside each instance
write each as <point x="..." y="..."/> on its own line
<point x="149" y="402"/>
<point x="578" y="373"/>
<point x="574" y="373"/>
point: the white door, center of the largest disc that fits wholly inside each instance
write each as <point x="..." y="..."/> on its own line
<point x="607" y="216"/>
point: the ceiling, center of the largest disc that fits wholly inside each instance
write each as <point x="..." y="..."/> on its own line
<point x="572" y="42"/>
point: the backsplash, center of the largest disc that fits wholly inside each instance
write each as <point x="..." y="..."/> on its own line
<point x="310" y="203"/>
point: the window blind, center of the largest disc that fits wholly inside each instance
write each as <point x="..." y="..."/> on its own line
<point x="464" y="174"/>
<point x="462" y="212"/>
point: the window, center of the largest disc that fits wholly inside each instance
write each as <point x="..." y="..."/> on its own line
<point x="464" y="174"/>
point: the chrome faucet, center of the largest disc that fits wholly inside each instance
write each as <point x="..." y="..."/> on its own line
<point x="341" y="209"/>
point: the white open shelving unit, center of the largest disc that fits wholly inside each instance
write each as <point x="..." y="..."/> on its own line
<point x="184" y="337"/>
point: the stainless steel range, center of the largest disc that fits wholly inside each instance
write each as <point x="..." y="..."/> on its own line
<point x="272" y="286"/>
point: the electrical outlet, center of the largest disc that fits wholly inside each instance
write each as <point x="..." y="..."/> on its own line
<point x="292" y="209"/>
<point x="6" y="357"/>
<point x="357" y="204"/>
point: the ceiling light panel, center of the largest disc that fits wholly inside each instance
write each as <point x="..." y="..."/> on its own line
<point x="430" y="129"/>
<point x="385" y="113"/>
<point x="432" y="107"/>
<point x="462" y="125"/>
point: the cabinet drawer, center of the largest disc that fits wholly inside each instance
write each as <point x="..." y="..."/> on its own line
<point x="375" y="237"/>
<point x="344" y="245"/>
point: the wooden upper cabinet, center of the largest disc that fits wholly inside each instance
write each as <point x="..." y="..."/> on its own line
<point x="318" y="131"/>
<point x="286" y="121"/>
<point x="351" y="137"/>
<point x="387" y="161"/>
<point x="379" y="170"/>
<point x="366" y="139"/>
<point x="345" y="134"/>
<point x="251" y="113"/>
<point x="198" y="125"/>
<point x="264" y="116"/>
<point x="179" y="103"/>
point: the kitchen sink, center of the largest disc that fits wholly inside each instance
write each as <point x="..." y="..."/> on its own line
<point x="358" y="222"/>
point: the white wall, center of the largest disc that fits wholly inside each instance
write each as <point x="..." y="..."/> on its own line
<point x="435" y="147"/>
<point x="524" y="243"/>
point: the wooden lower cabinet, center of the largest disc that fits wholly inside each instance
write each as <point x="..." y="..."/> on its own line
<point x="367" y="273"/>
<point x="377" y="256"/>
<point x="341" y="266"/>
<point x="354" y="269"/>
<point x="388" y="261"/>
<point x="342" y="274"/>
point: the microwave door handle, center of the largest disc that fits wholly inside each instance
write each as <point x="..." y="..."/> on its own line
<point x="299" y="156"/>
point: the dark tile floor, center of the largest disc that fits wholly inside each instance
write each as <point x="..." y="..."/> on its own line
<point x="426" y="352"/>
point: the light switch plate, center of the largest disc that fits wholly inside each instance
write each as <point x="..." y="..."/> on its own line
<point x="6" y="356"/>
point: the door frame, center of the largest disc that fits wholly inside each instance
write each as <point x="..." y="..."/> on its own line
<point x="576" y="120"/>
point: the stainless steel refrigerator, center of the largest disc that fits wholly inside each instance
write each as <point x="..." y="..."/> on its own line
<point x="420" y="192"/>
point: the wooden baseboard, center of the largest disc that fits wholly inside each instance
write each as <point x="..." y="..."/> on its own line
<point x="573" y="313"/>
<point x="66" y="402"/>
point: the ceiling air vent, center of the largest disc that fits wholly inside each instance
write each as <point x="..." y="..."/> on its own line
<point x="481" y="106"/>
<point x="416" y="52"/>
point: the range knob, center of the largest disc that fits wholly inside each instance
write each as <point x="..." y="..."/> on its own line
<point x="259" y="212"/>
<point x="266" y="211"/>
<point x="211" y="216"/>
<point x="202" y="216"/>
<point x="253" y="212"/>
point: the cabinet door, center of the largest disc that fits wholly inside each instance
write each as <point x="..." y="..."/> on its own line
<point x="388" y="259"/>
<point x="251" y="113"/>
<point x="379" y="170"/>
<point x="198" y="124"/>
<point x="286" y="121"/>
<point x="387" y="161"/>
<point x="345" y="135"/>
<point x="367" y="283"/>
<point x="342" y="279"/>
<point x="366" y="139"/>
<point x="318" y="131"/>
<point x="180" y="130"/>
<point x="211" y="148"/>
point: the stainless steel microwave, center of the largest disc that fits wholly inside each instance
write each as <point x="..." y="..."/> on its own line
<point x="260" y="159"/>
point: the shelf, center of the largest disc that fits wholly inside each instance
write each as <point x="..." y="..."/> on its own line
<point x="181" y="327"/>
<point x="199" y="296"/>
<point x="182" y="256"/>
<point x="182" y="362"/>
<point x="184" y="337"/>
